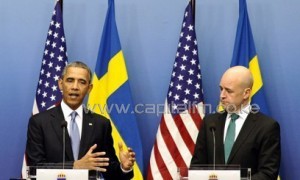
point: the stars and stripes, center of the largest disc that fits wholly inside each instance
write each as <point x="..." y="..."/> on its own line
<point x="180" y="123"/>
<point x="53" y="62"/>
<point x="185" y="85"/>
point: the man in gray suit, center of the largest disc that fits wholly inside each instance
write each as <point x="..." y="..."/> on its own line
<point x="92" y="146"/>
<point x="244" y="136"/>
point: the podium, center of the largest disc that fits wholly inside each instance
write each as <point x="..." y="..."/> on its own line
<point x="217" y="172"/>
<point x="62" y="174"/>
<point x="58" y="172"/>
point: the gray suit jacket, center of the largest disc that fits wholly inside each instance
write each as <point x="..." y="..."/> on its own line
<point x="45" y="140"/>
<point x="257" y="145"/>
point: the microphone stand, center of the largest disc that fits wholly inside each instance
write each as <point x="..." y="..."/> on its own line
<point x="212" y="129"/>
<point x="214" y="158"/>
<point x="64" y="125"/>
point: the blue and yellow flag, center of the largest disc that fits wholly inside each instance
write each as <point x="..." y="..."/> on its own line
<point x="111" y="94"/>
<point x="244" y="54"/>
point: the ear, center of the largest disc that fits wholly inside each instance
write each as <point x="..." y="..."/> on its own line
<point x="90" y="88"/>
<point x="247" y="93"/>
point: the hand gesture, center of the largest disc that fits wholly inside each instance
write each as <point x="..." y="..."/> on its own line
<point x="92" y="161"/>
<point x="127" y="158"/>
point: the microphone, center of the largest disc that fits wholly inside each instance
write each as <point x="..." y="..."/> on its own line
<point x="212" y="128"/>
<point x="63" y="126"/>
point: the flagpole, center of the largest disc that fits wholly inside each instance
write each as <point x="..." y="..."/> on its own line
<point x="194" y="9"/>
<point x="61" y="5"/>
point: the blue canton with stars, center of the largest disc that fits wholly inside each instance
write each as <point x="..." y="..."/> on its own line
<point x="54" y="61"/>
<point x="185" y="88"/>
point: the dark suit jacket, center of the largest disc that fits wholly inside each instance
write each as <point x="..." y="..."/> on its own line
<point x="45" y="140"/>
<point x="257" y="145"/>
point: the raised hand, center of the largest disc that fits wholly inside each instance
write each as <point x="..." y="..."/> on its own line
<point x="92" y="161"/>
<point x="127" y="158"/>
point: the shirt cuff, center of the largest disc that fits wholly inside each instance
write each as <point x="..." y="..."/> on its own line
<point x="125" y="171"/>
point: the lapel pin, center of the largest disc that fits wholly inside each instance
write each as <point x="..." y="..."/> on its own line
<point x="90" y="124"/>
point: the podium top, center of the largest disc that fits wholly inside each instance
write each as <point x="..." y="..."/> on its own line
<point x="245" y="173"/>
<point x="216" y="167"/>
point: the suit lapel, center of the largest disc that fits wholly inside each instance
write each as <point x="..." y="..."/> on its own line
<point x="87" y="132"/>
<point x="58" y="118"/>
<point x="219" y="138"/>
<point x="249" y="124"/>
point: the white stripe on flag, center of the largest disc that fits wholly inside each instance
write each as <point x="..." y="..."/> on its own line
<point x="24" y="168"/>
<point x="165" y="154"/>
<point x="190" y="126"/>
<point x="177" y="138"/>
<point x="154" y="169"/>
<point x="200" y="108"/>
<point x="35" y="109"/>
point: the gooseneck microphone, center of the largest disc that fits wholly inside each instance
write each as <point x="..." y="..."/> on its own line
<point x="212" y="128"/>
<point x="63" y="126"/>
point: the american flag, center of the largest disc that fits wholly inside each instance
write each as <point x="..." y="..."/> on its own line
<point x="180" y="123"/>
<point x="54" y="60"/>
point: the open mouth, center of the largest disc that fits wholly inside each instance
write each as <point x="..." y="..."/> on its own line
<point x="73" y="95"/>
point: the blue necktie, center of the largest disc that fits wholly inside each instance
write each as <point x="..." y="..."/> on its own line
<point x="230" y="136"/>
<point x="74" y="135"/>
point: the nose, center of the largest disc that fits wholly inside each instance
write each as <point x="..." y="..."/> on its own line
<point x="222" y="94"/>
<point x="75" y="85"/>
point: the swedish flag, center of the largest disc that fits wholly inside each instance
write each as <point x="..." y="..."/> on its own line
<point x="244" y="54"/>
<point x="111" y="94"/>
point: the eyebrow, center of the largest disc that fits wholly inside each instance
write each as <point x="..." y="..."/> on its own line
<point x="227" y="89"/>
<point x="80" y="79"/>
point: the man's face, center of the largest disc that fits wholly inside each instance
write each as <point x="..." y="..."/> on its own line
<point x="232" y="94"/>
<point x="75" y="85"/>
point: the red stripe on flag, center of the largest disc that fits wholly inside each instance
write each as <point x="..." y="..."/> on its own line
<point x="149" y="176"/>
<point x="194" y="113"/>
<point x="173" y="149"/>
<point x="161" y="164"/>
<point x="185" y="88"/>
<point x="184" y="133"/>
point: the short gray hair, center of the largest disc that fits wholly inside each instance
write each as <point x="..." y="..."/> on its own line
<point x="77" y="64"/>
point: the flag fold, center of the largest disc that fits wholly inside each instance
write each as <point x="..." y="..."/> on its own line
<point x="111" y="94"/>
<point x="54" y="61"/>
<point x="244" y="54"/>
<point x="180" y="123"/>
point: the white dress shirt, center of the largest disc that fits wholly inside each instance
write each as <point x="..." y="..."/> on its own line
<point x="243" y="114"/>
<point x="67" y="115"/>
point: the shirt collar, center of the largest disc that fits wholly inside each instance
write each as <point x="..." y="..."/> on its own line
<point x="67" y="110"/>
<point x="243" y="113"/>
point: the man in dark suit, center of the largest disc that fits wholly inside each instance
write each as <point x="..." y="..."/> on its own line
<point x="94" y="148"/>
<point x="256" y="138"/>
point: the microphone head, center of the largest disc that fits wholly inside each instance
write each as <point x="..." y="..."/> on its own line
<point x="212" y="126"/>
<point x="63" y="124"/>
